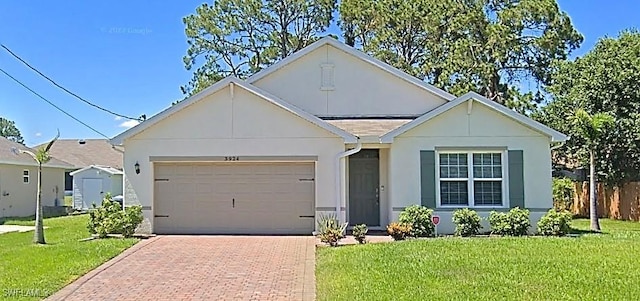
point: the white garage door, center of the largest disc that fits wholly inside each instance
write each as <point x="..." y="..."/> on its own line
<point x="234" y="198"/>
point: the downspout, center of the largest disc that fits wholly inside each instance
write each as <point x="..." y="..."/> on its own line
<point x="338" y="176"/>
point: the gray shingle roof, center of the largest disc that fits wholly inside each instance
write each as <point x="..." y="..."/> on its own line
<point x="92" y="152"/>
<point x="7" y="156"/>
<point x="368" y="127"/>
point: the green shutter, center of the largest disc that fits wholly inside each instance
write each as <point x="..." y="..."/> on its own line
<point x="516" y="179"/>
<point x="428" y="178"/>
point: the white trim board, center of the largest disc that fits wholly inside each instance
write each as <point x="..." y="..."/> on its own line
<point x="472" y="96"/>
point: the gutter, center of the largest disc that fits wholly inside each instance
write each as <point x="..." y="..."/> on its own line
<point x="338" y="176"/>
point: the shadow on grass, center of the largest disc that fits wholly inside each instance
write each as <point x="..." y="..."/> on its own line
<point x="581" y="232"/>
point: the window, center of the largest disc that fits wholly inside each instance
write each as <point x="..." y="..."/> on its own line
<point x="473" y="179"/>
<point x="25" y="176"/>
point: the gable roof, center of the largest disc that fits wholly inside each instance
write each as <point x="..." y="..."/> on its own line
<point x="356" y="53"/>
<point x="107" y="169"/>
<point x="85" y="152"/>
<point x="526" y="121"/>
<point x="8" y="156"/>
<point x="117" y="140"/>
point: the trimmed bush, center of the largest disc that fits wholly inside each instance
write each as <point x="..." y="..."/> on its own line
<point x="555" y="223"/>
<point x="513" y="223"/>
<point x="419" y="217"/>
<point x="330" y="231"/>
<point x="399" y="231"/>
<point x="110" y="218"/>
<point x="467" y="222"/>
<point x="562" y="193"/>
<point x="359" y="232"/>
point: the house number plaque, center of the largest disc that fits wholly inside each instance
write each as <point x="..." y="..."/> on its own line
<point x="232" y="158"/>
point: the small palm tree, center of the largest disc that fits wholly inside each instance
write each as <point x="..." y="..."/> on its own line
<point x="41" y="156"/>
<point x="591" y="128"/>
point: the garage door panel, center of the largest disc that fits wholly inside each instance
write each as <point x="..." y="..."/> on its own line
<point x="227" y="198"/>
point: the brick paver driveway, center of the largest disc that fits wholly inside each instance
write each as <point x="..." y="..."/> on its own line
<point x="204" y="268"/>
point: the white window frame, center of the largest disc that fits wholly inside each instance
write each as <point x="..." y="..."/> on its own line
<point x="470" y="179"/>
<point x="26" y="176"/>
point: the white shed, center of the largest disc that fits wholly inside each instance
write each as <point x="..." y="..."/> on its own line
<point x="92" y="183"/>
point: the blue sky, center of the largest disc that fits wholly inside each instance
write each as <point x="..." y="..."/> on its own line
<point x="127" y="56"/>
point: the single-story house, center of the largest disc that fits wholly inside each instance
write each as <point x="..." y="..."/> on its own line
<point x="90" y="159"/>
<point x="331" y="130"/>
<point x="92" y="183"/>
<point x="19" y="180"/>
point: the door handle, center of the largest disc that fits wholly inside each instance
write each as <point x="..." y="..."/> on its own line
<point x="233" y="203"/>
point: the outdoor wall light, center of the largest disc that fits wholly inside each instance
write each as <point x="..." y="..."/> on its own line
<point x="137" y="167"/>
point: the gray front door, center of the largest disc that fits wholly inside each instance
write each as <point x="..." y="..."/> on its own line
<point x="364" y="180"/>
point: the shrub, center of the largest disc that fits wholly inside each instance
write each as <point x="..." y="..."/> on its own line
<point x="419" y="217"/>
<point x="563" y="192"/>
<point x="399" y="231"/>
<point x="329" y="230"/>
<point x="110" y="218"/>
<point x="359" y="232"/>
<point x="467" y="222"/>
<point x="555" y="223"/>
<point x="513" y="223"/>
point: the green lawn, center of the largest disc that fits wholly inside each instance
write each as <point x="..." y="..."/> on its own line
<point x="590" y="267"/>
<point x="27" y="269"/>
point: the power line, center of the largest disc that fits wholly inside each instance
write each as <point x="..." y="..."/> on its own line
<point x="51" y="103"/>
<point x="65" y="89"/>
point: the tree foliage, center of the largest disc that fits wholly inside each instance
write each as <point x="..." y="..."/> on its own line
<point x="241" y="37"/>
<point x="488" y="46"/>
<point x="9" y="130"/>
<point x="605" y="80"/>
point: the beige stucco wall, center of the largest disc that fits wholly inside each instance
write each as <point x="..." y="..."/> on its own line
<point x="19" y="199"/>
<point x="221" y="126"/>
<point x="360" y="88"/>
<point x="484" y="127"/>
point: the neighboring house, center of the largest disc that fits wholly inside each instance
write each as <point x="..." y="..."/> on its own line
<point x="19" y="181"/>
<point x="87" y="155"/>
<point x="331" y="130"/>
<point x="92" y="183"/>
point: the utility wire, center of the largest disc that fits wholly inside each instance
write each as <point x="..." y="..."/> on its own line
<point x="51" y="103"/>
<point x="65" y="89"/>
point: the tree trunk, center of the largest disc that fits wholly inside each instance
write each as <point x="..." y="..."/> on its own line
<point x="38" y="234"/>
<point x="593" y="205"/>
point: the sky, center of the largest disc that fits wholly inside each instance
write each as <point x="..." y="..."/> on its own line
<point x="127" y="57"/>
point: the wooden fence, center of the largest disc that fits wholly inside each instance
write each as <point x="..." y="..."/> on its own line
<point x="617" y="202"/>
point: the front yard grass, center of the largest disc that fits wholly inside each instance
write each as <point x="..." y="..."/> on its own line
<point x="589" y="267"/>
<point x="39" y="270"/>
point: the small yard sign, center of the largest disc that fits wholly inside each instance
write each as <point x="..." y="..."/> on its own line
<point x="435" y="219"/>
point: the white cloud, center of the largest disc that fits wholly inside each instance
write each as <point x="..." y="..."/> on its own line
<point x="129" y="124"/>
<point x="38" y="134"/>
<point x="118" y="118"/>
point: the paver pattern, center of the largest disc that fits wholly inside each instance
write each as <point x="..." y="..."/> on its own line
<point x="204" y="268"/>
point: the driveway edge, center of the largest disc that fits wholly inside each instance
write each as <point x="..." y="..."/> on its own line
<point x="76" y="284"/>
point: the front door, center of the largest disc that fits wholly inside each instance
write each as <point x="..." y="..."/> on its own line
<point x="364" y="182"/>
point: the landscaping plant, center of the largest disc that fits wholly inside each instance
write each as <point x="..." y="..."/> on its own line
<point x="330" y="231"/>
<point x="419" y="217"/>
<point x="110" y="218"/>
<point x="562" y="193"/>
<point x="513" y="223"/>
<point x="555" y="223"/>
<point x="359" y="232"/>
<point x="399" y="231"/>
<point x="467" y="222"/>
